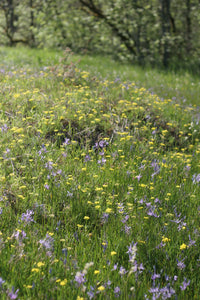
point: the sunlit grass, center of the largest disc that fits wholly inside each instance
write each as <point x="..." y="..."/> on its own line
<point x="99" y="184"/>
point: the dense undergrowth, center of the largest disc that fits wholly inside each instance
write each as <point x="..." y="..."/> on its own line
<point x="99" y="188"/>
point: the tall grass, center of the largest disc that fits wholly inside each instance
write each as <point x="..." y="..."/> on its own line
<point x="99" y="184"/>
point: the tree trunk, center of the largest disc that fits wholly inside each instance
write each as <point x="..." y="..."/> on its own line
<point x="165" y="22"/>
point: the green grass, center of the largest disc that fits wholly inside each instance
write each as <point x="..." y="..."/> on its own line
<point x="99" y="181"/>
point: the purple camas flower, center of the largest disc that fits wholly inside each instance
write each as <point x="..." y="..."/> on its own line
<point x="4" y="128"/>
<point x="127" y="229"/>
<point x="122" y="271"/>
<point x="117" y="291"/>
<point x="132" y="250"/>
<point x="91" y="292"/>
<point x="80" y="278"/>
<point x="28" y="216"/>
<point x="46" y="186"/>
<point x="66" y="141"/>
<point x="49" y="165"/>
<point x="155" y="276"/>
<point x="48" y="242"/>
<point x="12" y="294"/>
<point x="1" y="282"/>
<point x="87" y="158"/>
<point x="102" y="161"/>
<point x="196" y="178"/>
<point x="180" y="264"/>
<point x="185" y="284"/>
<point x="104" y="218"/>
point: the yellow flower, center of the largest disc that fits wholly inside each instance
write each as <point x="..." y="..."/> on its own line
<point x="96" y="272"/>
<point x="108" y="210"/>
<point x="63" y="282"/>
<point x="79" y="226"/>
<point x="113" y="253"/>
<point x="35" y="270"/>
<point x="80" y="298"/>
<point x="101" y="288"/>
<point x="183" y="246"/>
<point x="165" y="239"/>
<point x="86" y="218"/>
<point x="40" y="264"/>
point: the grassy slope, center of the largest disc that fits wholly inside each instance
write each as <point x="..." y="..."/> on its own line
<point x="89" y="204"/>
<point x="181" y="86"/>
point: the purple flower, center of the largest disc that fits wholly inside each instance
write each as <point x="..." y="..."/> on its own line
<point x="91" y="292"/>
<point x="27" y="217"/>
<point x="80" y="278"/>
<point x="122" y="271"/>
<point x="114" y="267"/>
<point x="46" y="186"/>
<point x="127" y="229"/>
<point x="4" y="128"/>
<point x="47" y="242"/>
<point x="185" y="284"/>
<point x="139" y="177"/>
<point x="103" y="143"/>
<point x="196" y="178"/>
<point x="66" y="141"/>
<point x="192" y="242"/>
<point x="49" y="165"/>
<point x="155" y="276"/>
<point x="167" y="292"/>
<point x="117" y="291"/>
<point x="102" y="161"/>
<point x="125" y="219"/>
<point x="1" y="281"/>
<point x="104" y="217"/>
<point x="87" y="158"/>
<point x="180" y="264"/>
<point x="12" y="294"/>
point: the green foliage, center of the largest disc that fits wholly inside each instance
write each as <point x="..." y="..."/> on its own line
<point x="143" y="32"/>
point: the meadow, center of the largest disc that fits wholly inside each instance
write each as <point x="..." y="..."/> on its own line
<point x="99" y="179"/>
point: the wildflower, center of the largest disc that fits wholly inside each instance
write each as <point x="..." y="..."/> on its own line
<point x="35" y="270"/>
<point x="40" y="264"/>
<point x="117" y="291"/>
<point x="155" y="276"/>
<point x="66" y="142"/>
<point x="47" y="242"/>
<point x="192" y="242"/>
<point x="1" y="282"/>
<point x="196" y="178"/>
<point x="28" y="216"/>
<point x="12" y="294"/>
<point x="104" y="217"/>
<point x="165" y="239"/>
<point x="91" y="292"/>
<point x="113" y="253"/>
<point x="87" y="158"/>
<point x="183" y="246"/>
<point x="63" y="282"/>
<point x="180" y="264"/>
<point x="185" y="284"/>
<point x="101" y="288"/>
<point x="122" y="271"/>
<point x="132" y="249"/>
<point x="80" y="278"/>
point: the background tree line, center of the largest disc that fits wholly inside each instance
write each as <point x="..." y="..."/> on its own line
<point x="155" y="32"/>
